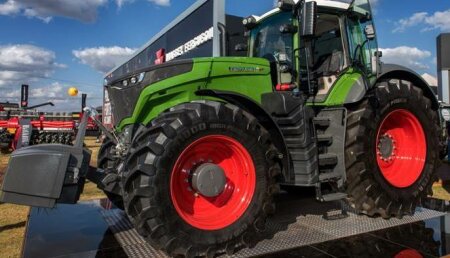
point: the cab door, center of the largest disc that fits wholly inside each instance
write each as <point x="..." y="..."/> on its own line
<point x="361" y="49"/>
<point x="362" y="39"/>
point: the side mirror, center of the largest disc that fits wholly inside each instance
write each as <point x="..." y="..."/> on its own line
<point x="241" y="47"/>
<point x="376" y="64"/>
<point x="369" y="30"/>
<point x="308" y="19"/>
<point x="286" y="5"/>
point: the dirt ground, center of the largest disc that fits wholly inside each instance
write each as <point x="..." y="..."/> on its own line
<point x="13" y="218"/>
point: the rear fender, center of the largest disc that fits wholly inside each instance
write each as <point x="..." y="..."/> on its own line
<point x="392" y="71"/>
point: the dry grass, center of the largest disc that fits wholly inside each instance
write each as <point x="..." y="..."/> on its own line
<point x="13" y="217"/>
<point x="12" y="229"/>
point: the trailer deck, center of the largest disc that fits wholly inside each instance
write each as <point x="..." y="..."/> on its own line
<point x="299" y="229"/>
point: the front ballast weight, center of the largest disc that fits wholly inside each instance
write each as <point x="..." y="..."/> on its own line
<point x="43" y="175"/>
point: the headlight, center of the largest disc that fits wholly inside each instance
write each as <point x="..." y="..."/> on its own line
<point x="249" y="22"/>
<point x="446" y="114"/>
<point x="141" y="77"/>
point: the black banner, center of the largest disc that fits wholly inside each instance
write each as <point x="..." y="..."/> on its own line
<point x="24" y="96"/>
<point x="83" y="101"/>
<point x="191" y="37"/>
<point x="443" y="52"/>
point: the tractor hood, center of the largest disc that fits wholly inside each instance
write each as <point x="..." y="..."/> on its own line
<point x="138" y="96"/>
<point x="125" y="91"/>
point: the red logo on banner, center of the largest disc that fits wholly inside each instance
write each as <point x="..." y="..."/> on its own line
<point x="160" y="56"/>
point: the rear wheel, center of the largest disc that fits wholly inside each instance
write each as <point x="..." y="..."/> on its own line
<point x="109" y="163"/>
<point x="391" y="150"/>
<point x="200" y="180"/>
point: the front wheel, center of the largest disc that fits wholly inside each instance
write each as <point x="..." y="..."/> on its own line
<point x="391" y="150"/>
<point x="109" y="163"/>
<point x="200" y="179"/>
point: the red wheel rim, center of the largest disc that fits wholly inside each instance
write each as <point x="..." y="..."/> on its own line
<point x="401" y="148"/>
<point x="409" y="253"/>
<point x="213" y="213"/>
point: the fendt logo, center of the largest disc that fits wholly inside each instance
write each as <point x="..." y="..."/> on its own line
<point x="240" y="69"/>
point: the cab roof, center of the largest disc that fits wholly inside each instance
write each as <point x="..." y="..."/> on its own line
<point x="333" y="4"/>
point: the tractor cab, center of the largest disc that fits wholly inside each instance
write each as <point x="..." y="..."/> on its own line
<point x="312" y="44"/>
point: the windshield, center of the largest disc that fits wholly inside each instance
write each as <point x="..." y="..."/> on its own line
<point x="268" y="40"/>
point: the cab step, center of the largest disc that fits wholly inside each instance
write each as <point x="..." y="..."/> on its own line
<point x="328" y="159"/>
<point x="325" y="139"/>
<point x="333" y="197"/>
<point x="329" y="176"/>
<point x="321" y="121"/>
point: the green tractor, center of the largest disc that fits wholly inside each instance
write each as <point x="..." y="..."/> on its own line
<point x="201" y="146"/>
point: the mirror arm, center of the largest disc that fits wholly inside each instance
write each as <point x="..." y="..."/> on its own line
<point x="308" y="74"/>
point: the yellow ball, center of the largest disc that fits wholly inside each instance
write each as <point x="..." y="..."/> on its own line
<point x="72" y="92"/>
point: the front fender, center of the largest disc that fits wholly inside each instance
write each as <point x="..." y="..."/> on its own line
<point x="261" y="115"/>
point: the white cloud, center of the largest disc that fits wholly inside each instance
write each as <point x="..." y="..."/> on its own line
<point x="411" y="57"/>
<point x="85" y="10"/>
<point x="121" y="3"/>
<point x="439" y="20"/>
<point x="25" y="63"/>
<point x="160" y="2"/>
<point x="9" y="8"/>
<point x="103" y="59"/>
<point x="45" y="10"/>
<point x="414" y="20"/>
<point x="54" y="92"/>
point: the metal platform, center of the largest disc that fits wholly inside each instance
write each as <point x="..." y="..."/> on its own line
<point x="94" y="229"/>
<point x="292" y="228"/>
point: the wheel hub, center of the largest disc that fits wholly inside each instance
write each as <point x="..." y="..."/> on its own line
<point x="386" y="147"/>
<point x="209" y="180"/>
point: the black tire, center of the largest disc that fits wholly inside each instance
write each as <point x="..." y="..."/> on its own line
<point x="444" y="152"/>
<point x="107" y="162"/>
<point x="146" y="183"/>
<point x="369" y="192"/>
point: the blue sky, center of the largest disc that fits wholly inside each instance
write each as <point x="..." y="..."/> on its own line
<point x="53" y="46"/>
